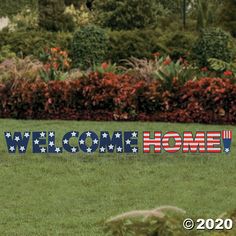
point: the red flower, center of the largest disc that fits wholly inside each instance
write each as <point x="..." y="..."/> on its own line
<point x="228" y="73"/>
<point x="104" y="65"/>
<point x="167" y="62"/>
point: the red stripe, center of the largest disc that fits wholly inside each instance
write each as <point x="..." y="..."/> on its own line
<point x="152" y="140"/>
<point x="148" y="146"/>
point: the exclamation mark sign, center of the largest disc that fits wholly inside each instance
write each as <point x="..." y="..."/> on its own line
<point x="227" y="139"/>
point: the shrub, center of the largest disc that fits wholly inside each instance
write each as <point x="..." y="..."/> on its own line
<point x="18" y="70"/>
<point x="178" y="43"/>
<point x="89" y="46"/>
<point x="136" y="43"/>
<point x="212" y="43"/>
<point x="128" y="14"/>
<point x="163" y="69"/>
<point x="81" y="16"/>
<point x="229" y="69"/>
<point x="56" y="63"/>
<point x="108" y="96"/>
<point x="26" y="19"/>
<point x="52" y="16"/>
<point x="33" y="42"/>
<point x="23" y="99"/>
<point x="6" y="53"/>
<point x="209" y="100"/>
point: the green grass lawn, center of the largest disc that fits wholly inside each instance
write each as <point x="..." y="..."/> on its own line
<point x="72" y="194"/>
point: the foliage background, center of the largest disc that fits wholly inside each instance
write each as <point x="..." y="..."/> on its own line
<point x="11" y="7"/>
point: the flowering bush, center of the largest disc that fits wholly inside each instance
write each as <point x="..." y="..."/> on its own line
<point x="169" y="73"/>
<point x="105" y="68"/>
<point x="209" y="100"/>
<point x="55" y="62"/>
<point x="110" y="96"/>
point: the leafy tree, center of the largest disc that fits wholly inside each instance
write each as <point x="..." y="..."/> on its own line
<point x="78" y="3"/>
<point x="207" y="12"/>
<point x="12" y="7"/>
<point x="52" y="17"/>
<point x="127" y="14"/>
<point x="175" y="6"/>
<point x="228" y="16"/>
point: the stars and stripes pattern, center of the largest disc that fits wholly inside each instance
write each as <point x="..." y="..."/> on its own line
<point x="83" y="142"/>
<point x="193" y="143"/>
<point x="227" y="136"/>
<point x="66" y="142"/>
<point x="166" y="142"/>
<point x="17" y="141"/>
<point x="120" y="142"/>
<point x="116" y="142"/>
<point x="51" y="144"/>
<point x="213" y="141"/>
<point x="40" y="142"/>
<point x="148" y="142"/>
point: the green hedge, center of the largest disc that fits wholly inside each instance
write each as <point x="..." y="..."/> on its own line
<point x="136" y="43"/>
<point x="33" y="42"/>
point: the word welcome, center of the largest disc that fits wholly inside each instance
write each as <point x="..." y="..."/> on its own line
<point x="119" y="142"/>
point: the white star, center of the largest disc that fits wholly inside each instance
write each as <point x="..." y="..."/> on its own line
<point x="117" y="135"/>
<point x="43" y="150"/>
<point x="22" y="148"/>
<point x="95" y="141"/>
<point x="102" y="149"/>
<point x="12" y="149"/>
<point x="51" y="143"/>
<point x="73" y="149"/>
<point x="134" y="134"/>
<point x="73" y="134"/>
<point x="128" y="141"/>
<point x="134" y="150"/>
<point x="36" y="141"/>
<point x="227" y="150"/>
<point x="88" y="134"/>
<point x="111" y="147"/>
<point x="42" y="135"/>
<point x="89" y="150"/>
<point x="119" y="149"/>
<point x="104" y="135"/>
<point x="17" y="138"/>
<point x="65" y="141"/>
<point x="27" y="135"/>
<point x="8" y="135"/>
<point x="81" y="141"/>
<point x="57" y="150"/>
<point x="51" y="134"/>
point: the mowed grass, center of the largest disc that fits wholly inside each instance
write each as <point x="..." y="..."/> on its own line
<point x="70" y="194"/>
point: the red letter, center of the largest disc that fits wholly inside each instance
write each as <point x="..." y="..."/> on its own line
<point x="166" y="142"/>
<point x="213" y="138"/>
<point x="193" y="145"/>
<point x="147" y="142"/>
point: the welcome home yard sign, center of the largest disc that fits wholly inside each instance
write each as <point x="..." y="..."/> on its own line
<point x="119" y="142"/>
